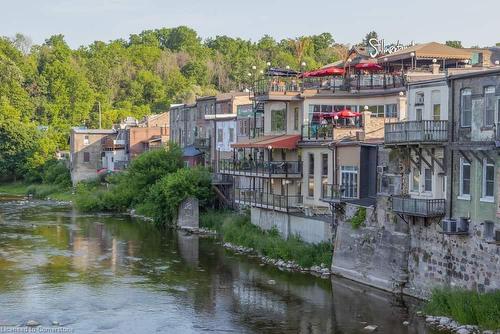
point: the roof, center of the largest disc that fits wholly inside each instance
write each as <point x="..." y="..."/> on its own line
<point x="429" y="50"/>
<point x="191" y="151"/>
<point x="229" y="96"/>
<point x="94" y="131"/>
<point x="479" y="72"/>
<point x="288" y="142"/>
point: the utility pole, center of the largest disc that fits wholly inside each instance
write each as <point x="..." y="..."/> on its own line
<point x="100" y="116"/>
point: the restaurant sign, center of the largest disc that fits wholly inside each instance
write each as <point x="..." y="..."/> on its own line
<point x="378" y="47"/>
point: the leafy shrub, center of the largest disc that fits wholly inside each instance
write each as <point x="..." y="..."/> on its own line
<point x="466" y="307"/>
<point x="238" y="229"/>
<point x="358" y="219"/>
<point x="167" y="194"/>
<point x="42" y="190"/>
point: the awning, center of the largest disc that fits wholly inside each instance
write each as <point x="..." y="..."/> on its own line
<point x="369" y="66"/>
<point x="288" y="142"/>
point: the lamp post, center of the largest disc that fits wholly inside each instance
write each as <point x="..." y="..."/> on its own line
<point x="412" y="56"/>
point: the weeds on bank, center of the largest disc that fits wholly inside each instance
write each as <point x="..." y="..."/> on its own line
<point x="237" y="229"/>
<point x="466" y="307"/>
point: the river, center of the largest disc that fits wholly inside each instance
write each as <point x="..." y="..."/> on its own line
<point x="114" y="274"/>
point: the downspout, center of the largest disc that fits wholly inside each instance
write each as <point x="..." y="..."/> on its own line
<point x="451" y="129"/>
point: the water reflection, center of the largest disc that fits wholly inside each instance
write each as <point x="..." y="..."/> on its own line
<point x="115" y="274"/>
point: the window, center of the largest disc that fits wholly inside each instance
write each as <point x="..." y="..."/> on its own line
<point x="324" y="164"/>
<point x="86" y="157"/>
<point x="418" y="114"/>
<point x="489" y="103"/>
<point x="310" y="186"/>
<point x="488" y="179"/>
<point x="464" y="178"/>
<point x="377" y="111"/>
<point x="311" y="164"/>
<point x="220" y="135"/>
<point x="415" y="180"/>
<point x="427" y="179"/>
<point x="349" y="178"/>
<point x="419" y="99"/>
<point x="296" y="118"/>
<point x="436" y="105"/>
<point x="278" y="120"/>
<point x="86" y="140"/>
<point x="436" y="112"/>
<point x="466" y="107"/>
<point x="391" y="110"/>
<point x="231" y="135"/>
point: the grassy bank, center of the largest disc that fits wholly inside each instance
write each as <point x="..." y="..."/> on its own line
<point x="13" y="188"/>
<point x="41" y="191"/>
<point x="237" y="229"/>
<point x="466" y="307"/>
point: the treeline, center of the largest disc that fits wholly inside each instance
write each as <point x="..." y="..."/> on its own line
<point x="46" y="89"/>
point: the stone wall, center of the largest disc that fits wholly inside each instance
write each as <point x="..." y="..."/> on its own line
<point x="372" y="254"/>
<point x="311" y="230"/>
<point x="465" y="261"/>
<point x="413" y="258"/>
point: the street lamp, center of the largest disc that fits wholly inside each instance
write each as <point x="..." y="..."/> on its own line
<point x="268" y="63"/>
<point x="254" y="67"/>
<point x="287" y="67"/>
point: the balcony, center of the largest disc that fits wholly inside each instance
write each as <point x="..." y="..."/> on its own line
<point x="316" y="132"/>
<point x="418" y="207"/>
<point x="202" y="143"/>
<point x="279" y="169"/>
<point x="260" y="199"/>
<point x="336" y="193"/>
<point x="416" y="132"/>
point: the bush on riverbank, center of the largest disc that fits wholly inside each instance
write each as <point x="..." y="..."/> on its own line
<point x="155" y="184"/>
<point x="237" y="229"/>
<point x="466" y="307"/>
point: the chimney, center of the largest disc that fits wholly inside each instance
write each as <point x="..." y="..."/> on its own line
<point x="435" y="68"/>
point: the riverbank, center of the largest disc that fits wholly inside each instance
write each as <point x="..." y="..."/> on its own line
<point x="464" y="312"/>
<point x="37" y="190"/>
<point x="240" y="235"/>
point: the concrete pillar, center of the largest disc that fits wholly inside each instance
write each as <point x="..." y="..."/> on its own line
<point x="435" y="68"/>
<point x="402" y="107"/>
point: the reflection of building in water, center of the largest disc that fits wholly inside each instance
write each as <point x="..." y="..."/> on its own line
<point x="188" y="247"/>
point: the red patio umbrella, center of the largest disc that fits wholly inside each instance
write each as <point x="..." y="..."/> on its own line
<point x="324" y="72"/>
<point x="368" y="67"/>
<point x="346" y="113"/>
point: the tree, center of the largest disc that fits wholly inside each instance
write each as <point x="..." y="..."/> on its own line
<point x="498" y="44"/>
<point x="370" y="35"/>
<point x="454" y="44"/>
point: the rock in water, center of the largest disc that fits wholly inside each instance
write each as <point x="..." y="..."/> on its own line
<point x="406" y="323"/>
<point x="463" y="331"/>
<point x="271" y="281"/>
<point x="32" y="323"/>
<point x="370" y="328"/>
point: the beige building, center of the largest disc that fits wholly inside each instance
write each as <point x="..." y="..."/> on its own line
<point x="86" y="152"/>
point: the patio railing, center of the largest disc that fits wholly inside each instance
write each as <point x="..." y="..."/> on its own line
<point x="259" y="167"/>
<point x="419" y="207"/>
<point x="338" y="192"/>
<point x="416" y="132"/>
<point x="259" y="198"/>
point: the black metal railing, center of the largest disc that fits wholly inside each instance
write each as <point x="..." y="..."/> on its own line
<point x="259" y="167"/>
<point x="416" y="132"/>
<point x="259" y="198"/>
<point x="316" y="132"/>
<point x="202" y="143"/>
<point x="343" y="83"/>
<point x="338" y="192"/>
<point x="256" y="132"/>
<point x="419" y="207"/>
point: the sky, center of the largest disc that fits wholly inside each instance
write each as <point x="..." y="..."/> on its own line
<point x="84" y="21"/>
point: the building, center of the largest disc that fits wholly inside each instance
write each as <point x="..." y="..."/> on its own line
<point x="87" y="154"/>
<point x="183" y="124"/>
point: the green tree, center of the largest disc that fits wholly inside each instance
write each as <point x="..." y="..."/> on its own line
<point x="454" y="44"/>
<point x="368" y="36"/>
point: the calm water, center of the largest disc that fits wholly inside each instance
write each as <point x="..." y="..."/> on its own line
<point x="113" y="274"/>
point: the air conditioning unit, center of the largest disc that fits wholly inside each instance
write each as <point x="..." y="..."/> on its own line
<point x="463" y="225"/>
<point x="382" y="169"/>
<point x="449" y="225"/>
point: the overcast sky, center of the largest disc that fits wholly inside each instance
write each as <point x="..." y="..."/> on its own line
<point x="84" y="21"/>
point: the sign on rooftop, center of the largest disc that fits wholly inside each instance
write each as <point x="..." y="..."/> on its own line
<point x="379" y="48"/>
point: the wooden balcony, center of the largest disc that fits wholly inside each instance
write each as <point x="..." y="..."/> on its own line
<point x="279" y="169"/>
<point x="260" y="199"/>
<point x="418" y="207"/>
<point x="416" y="132"/>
